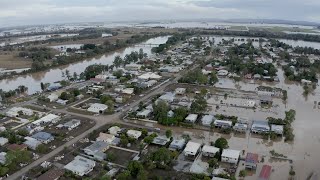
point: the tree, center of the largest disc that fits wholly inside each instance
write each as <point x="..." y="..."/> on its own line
<point x="243" y="173"/>
<point x="3" y="171"/>
<point x="125" y="175"/>
<point x="213" y="78"/>
<point x="160" y="111"/>
<point x="213" y="163"/>
<point x="162" y="157"/>
<point x="42" y="149"/>
<point x="117" y="61"/>
<point x="141" y="54"/>
<point x="198" y="105"/>
<point x="135" y="167"/>
<point x="42" y="86"/>
<point x="168" y="133"/>
<point x="68" y="74"/>
<point x="75" y="76"/>
<point x="221" y="143"/>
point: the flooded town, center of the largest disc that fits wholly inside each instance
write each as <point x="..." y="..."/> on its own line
<point x="191" y="100"/>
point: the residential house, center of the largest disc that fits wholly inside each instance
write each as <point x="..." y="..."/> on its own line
<point x="97" y="149"/>
<point x="222" y="72"/>
<point x="3" y="141"/>
<point x="265" y="100"/>
<point x="177" y="144"/>
<point x="167" y="97"/>
<point x="108" y="138"/>
<point x="53" y="97"/>
<point x="180" y="91"/>
<point x="161" y="140"/>
<point x="32" y="143"/>
<point x="222" y="124"/>
<point x="80" y="166"/>
<point x="97" y="108"/>
<point x="17" y="147"/>
<point x="192" y="149"/>
<point x="15" y="112"/>
<point x="260" y="127"/>
<point x="191" y="118"/>
<point x="70" y="125"/>
<point x="62" y="102"/>
<point x="230" y="156"/>
<point x="114" y="130"/>
<point x="278" y="129"/>
<point x="50" y="118"/>
<point x="144" y="113"/>
<point x="134" y="134"/>
<point x="52" y="174"/>
<point x="251" y="160"/>
<point x="239" y="127"/>
<point x="209" y="151"/>
<point x="43" y="137"/>
<point x="128" y="91"/>
<point x="207" y="120"/>
<point x="3" y="158"/>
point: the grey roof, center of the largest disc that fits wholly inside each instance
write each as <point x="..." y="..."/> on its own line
<point x="42" y="136"/>
<point x="97" y="146"/>
<point x="177" y="144"/>
<point x="160" y="140"/>
<point x="71" y="123"/>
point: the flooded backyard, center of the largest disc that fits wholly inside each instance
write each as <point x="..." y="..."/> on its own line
<point x="32" y="81"/>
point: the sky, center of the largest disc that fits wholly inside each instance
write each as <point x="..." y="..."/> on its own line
<point x="27" y="12"/>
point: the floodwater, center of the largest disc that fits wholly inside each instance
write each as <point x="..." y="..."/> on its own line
<point x="304" y="151"/>
<point x="32" y="81"/>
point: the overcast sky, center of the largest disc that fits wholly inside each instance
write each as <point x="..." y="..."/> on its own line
<point x="24" y="12"/>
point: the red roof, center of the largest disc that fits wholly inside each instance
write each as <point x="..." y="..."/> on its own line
<point x="252" y="158"/>
<point x="15" y="147"/>
<point x="265" y="172"/>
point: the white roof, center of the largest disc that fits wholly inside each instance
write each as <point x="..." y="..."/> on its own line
<point x="145" y="112"/>
<point x="192" y="148"/>
<point x="114" y="130"/>
<point x="3" y="140"/>
<point x="149" y="75"/>
<point x="80" y="164"/>
<point x="14" y="111"/>
<point x="134" y="133"/>
<point x="207" y="119"/>
<point x="192" y="117"/>
<point x="210" y="149"/>
<point x="230" y="153"/>
<point x="223" y="122"/>
<point x="97" y="107"/>
<point x="128" y="91"/>
<point x="46" y="119"/>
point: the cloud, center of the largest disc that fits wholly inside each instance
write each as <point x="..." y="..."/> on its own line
<point x="22" y="12"/>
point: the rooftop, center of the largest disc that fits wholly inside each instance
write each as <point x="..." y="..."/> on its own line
<point x="230" y="153"/>
<point x="252" y="158"/>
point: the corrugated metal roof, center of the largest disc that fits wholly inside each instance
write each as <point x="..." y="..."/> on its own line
<point x="265" y="172"/>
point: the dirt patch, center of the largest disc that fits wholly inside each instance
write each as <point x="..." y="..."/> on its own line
<point x="11" y="61"/>
<point x="120" y="157"/>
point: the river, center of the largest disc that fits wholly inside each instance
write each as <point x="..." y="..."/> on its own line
<point x="32" y="81"/>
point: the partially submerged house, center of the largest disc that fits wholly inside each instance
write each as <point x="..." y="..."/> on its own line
<point x="192" y="149"/>
<point x="43" y="137"/>
<point x="260" y="127"/>
<point x="230" y="156"/>
<point x="209" y="151"/>
<point x="207" y="120"/>
<point x="177" y="144"/>
<point x="251" y="161"/>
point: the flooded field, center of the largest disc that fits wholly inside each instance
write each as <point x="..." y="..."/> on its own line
<point x="33" y="81"/>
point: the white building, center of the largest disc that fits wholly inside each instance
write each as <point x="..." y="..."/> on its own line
<point x="222" y="72"/>
<point x="114" y="130"/>
<point x="72" y="124"/>
<point x="128" y="91"/>
<point x="209" y="151"/>
<point x="191" y="149"/>
<point x="144" y="113"/>
<point x="14" y="112"/>
<point x="191" y="118"/>
<point x="53" y="97"/>
<point x="207" y="120"/>
<point x="80" y="166"/>
<point x="149" y="75"/>
<point x="134" y="133"/>
<point x="278" y="129"/>
<point x="108" y="138"/>
<point x="32" y="143"/>
<point x="222" y="124"/>
<point x="97" y="108"/>
<point x="3" y="141"/>
<point x="230" y="156"/>
<point x="180" y="91"/>
<point x="50" y="118"/>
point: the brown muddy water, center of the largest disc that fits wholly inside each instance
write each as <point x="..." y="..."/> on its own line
<point x="32" y="81"/>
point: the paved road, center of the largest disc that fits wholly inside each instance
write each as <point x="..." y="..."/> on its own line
<point x="100" y="121"/>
